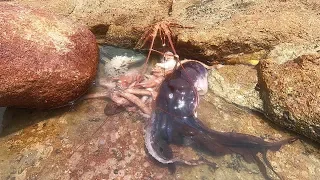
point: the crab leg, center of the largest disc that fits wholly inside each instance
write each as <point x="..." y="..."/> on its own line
<point x="119" y="100"/>
<point x="142" y="92"/>
<point x="134" y="99"/>
<point x="142" y="41"/>
<point x="106" y="84"/>
<point x="168" y="33"/>
<point x="149" y="53"/>
<point x="100" y="95"/>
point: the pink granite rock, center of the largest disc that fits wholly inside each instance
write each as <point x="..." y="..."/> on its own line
<point x="45" y="61"/>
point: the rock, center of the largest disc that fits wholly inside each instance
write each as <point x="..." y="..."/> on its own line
<point x="45" y="61"/>
<point x="224" y="27"/>
<point x="220" y="27"/>
<point x="236" y="84"/>
<point x="88" y="145"/>
<point x="113" y="147"/>
<point x="119" y="23"/>
<point x="2" y="110"/>
<point x="291" y="94"/>
<point x="288" y="51"/>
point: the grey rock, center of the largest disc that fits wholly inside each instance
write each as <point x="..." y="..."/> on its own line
<point x="236" y="84"/>
<point x="287" y="51"/>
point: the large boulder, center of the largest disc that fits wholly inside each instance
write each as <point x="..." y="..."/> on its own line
<point x="291" y="93"/>
<point x="45" y="61"/>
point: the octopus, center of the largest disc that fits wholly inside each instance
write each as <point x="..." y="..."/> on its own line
<point x="168" y="98"/>
<point x="174" y="121"/>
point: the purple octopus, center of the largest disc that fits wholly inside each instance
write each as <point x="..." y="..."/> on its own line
<point x="173" y="121"/>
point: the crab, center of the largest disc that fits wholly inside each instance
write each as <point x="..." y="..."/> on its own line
<point x="165" y="33"/>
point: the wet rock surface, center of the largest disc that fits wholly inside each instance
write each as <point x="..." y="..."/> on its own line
<point x="291" y="93"/>
<point x="80" y="142"/>
<point x="45" y="61"/>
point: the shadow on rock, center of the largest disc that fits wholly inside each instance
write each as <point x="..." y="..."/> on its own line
<point x="16" y="119"/>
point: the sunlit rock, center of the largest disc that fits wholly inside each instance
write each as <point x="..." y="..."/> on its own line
<point x="45" y="61"/>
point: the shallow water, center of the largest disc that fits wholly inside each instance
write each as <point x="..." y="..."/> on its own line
<point x="80" y="142"/>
